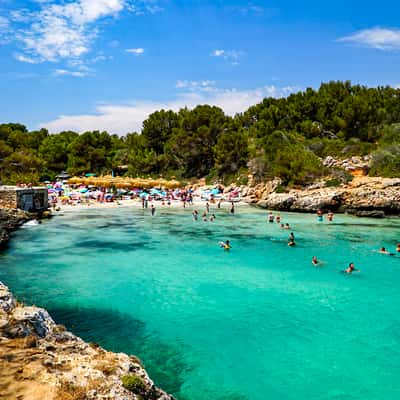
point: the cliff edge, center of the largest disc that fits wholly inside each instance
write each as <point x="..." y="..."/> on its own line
<point x="40" y="360"/>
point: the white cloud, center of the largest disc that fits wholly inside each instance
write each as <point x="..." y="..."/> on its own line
<point x="65" y="72"/>
<point x="232" y="56"/>
<point x="137" y="52"/>
<point x="66" y="30"/>
<point x="251" y="8"/>
<point x="205" y="85"/>
<point x="25" y="59"/>
<point x="4" y="23"/>
<point x="218" y="53"/>
<point x="120" y="119"/>
<point x="377" y="38"/>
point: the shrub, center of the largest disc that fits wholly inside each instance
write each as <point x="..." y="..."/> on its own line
<point x="134" y="384"/>
<point x="386" y="162"/>
<point x="280" y="189"/>
<point x="332" y="182"/>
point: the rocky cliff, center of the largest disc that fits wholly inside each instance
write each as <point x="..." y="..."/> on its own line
<point x="364" y="196"/>
<point x="11" y="219"/>
<point x="40" y="360"/>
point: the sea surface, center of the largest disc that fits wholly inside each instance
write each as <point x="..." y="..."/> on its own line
<point x="259" y="322"/>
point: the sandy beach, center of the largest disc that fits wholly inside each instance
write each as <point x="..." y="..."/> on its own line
<point x="137" y="203"/>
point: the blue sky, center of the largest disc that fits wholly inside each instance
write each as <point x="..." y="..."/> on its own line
<point x="107" y="64"/>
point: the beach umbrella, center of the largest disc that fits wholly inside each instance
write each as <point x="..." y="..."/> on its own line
<point x="83" y="190"/>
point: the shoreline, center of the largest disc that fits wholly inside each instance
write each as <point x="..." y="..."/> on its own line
<point x="363" y="197"/>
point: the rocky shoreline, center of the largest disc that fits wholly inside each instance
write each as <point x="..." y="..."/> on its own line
<point x="40" y="360"/>
<point x="363" y="196"/>
<point x="11" y="219"/>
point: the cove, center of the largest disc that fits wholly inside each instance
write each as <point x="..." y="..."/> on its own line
<point x="258" y="322"/>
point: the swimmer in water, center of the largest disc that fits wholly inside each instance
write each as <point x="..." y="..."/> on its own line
<point x="330" y="216"/>
<point x="291" y="241"/>
<point x="287" y="226"/>
<point x="350" y="269"/>
<point x="278" y="218"/>
<point x="195" y="214"/>
<point x="271" y="217"/>
<point x="383" y="250"/>
<point x="398" y="248"/>
<point x="226" y="245"/>
<point x="315" y="261"/>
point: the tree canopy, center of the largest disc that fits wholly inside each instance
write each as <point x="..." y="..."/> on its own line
<point x="285" y="137"/>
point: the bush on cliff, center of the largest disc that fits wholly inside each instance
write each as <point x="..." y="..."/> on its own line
<point x="386" y="162"/>
<point x="134" y="384"/>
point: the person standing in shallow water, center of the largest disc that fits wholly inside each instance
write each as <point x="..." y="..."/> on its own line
<point x="233" y="208"/>
<point x="153" y="210"/>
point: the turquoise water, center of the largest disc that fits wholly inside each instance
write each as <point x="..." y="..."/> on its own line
<point x="258" y="322"/>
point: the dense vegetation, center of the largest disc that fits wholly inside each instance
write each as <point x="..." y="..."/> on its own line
<point x="284" y="137"/>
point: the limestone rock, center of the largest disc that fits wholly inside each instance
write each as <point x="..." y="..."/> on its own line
<point x="54" y="363"/>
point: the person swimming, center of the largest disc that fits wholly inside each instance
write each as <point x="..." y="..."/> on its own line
<point x="291" y="241"/>
<point x="330" y="216"/>
<point x="315" y="261"/>
<point x="383" y="250"/>
<point x="350" y="269"/>
<point x="287" y="226"/>
<point x="398" y="248"/>
<point x="278" y="218"/>
<point x="226" y="245"/>
<point x="271" y="217"/>
<point x="212" y="218"/>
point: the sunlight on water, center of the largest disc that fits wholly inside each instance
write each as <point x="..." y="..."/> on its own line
<point x="258" y="322"/>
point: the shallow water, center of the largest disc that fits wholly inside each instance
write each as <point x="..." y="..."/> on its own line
<point x="258" y="322"/>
